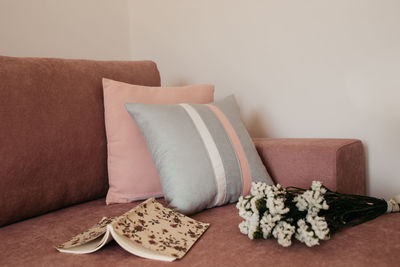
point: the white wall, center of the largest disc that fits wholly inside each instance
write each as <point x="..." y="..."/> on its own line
<point x="298" y="68"/>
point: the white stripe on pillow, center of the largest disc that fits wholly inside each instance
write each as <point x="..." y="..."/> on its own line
<point x="213" y="153"/>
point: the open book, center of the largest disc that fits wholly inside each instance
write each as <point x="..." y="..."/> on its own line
<point x="149" y="230"/>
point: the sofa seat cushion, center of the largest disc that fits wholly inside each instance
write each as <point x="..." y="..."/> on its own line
<point x="31" y="242"/>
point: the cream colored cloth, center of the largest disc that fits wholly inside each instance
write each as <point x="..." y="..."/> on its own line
<point x="393" y="205"/>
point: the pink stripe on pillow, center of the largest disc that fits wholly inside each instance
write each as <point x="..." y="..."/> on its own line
<point x="213" y="154"/>
<point x="244" y="165"/>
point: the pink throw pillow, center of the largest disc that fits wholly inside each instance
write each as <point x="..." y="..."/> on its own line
<point x="132" y="174"/>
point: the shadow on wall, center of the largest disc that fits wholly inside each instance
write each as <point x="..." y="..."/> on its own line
<point x="255" y="125"/>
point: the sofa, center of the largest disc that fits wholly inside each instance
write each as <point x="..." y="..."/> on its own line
<point x="53" y="177"/>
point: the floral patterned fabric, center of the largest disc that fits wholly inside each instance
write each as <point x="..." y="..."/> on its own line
<point x="152" y="226"/>
<point x="91" y="234"/>
<point x="160" y="229"/>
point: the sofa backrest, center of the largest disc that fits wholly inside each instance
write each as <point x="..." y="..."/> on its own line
<point x="53" y="149"/>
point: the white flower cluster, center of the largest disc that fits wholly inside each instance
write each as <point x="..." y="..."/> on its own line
<point x="249" y="212"/>
<point x="265" y="214"/>
<point x="283" y="231"/>
<point x="269" y="223"/>
<point x="259" y="189"/>
<point x="312" y="200"/>
<point x="313" y="228"/>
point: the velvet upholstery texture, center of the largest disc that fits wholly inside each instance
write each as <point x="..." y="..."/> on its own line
<point x="52" y="138"/>
<point x="338" y="163"/>
<point x="53" y="154"/>
<point x="30" y="243"/>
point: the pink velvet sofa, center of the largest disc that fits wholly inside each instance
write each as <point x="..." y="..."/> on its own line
<point x="53" y="177"/>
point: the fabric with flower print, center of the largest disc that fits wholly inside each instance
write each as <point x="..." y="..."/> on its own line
<point x="160" y="229"/>
<point x="91" y="234"/>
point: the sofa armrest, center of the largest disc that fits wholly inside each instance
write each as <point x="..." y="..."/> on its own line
<point x="338" y="163"/>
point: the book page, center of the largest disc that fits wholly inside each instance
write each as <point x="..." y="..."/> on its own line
<point x="137" y="249"/>
<point x="89" y="247"/>
<point x="90" y="240"/>
<point x="158" y="229"/>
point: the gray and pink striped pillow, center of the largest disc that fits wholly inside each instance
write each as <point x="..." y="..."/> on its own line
<point x="203" y="153"/>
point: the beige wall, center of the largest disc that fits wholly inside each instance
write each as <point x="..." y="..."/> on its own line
<point x="93" y="29"/>
<point x="298" y="68"/>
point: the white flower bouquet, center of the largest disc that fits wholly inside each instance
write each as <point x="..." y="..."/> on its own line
<point x="309" y="215"/>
